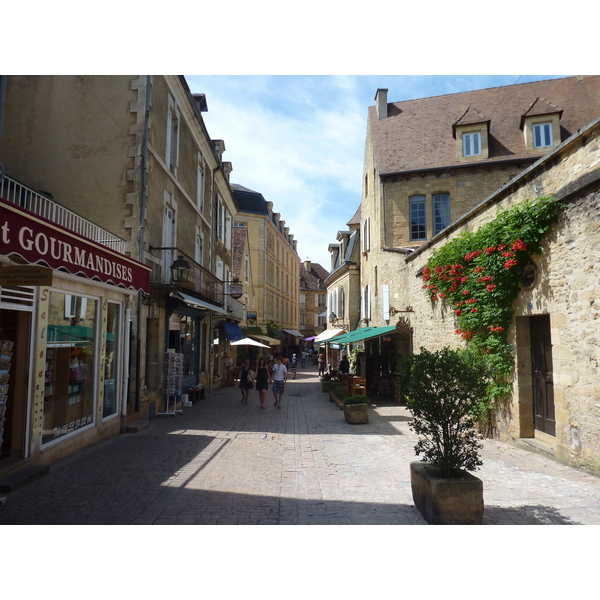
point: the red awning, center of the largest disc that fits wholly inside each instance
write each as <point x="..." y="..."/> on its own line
<point x="39" y="241"/>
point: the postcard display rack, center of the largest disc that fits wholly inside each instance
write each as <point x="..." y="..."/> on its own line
<point x="173" y="376"/>
<point x="6" y="347"/>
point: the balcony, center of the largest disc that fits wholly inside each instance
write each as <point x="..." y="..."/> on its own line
<point x="43" y="206"/>
<point x="199" y="280"/>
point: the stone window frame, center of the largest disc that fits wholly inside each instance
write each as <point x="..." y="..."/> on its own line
<point x="482" y="130"/>
<point x="528" y="132"/>
<point x="412" y="197"/>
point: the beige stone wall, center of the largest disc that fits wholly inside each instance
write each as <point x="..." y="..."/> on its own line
<point x="567" y="289"/>
<point x="385" y="210"/>
<point x="275" y="272"/>
<point x="70" y="136"/>
<point x="312" y="311"/>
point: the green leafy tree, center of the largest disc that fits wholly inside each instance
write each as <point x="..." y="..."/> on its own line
<point x="445" y="392"/>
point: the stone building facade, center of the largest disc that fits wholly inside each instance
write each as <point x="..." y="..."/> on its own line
<point x="343" y="282"/>
<point x="274" y="263"/>
<point x="313" y="299"/>
<point x="132" y="153"/>
<point x="430" y="161"/>
<point x="565" y="297"/>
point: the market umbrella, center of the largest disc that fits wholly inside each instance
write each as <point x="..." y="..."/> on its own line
<point x="248" y="342"/>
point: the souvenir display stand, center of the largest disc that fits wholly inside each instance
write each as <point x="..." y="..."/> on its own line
<point x="173" y="376"/>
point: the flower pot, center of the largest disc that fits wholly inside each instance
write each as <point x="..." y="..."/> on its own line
<point x="325" y="386"/>
<point x="446" y="500"/>
<point x="356" y="414"/>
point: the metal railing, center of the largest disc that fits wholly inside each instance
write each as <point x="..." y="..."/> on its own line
<point x="25" y="197"/>
<point x="200" y="280"/>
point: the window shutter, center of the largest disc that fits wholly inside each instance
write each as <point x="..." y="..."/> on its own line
<point x="228" y="232"/>
<point x="385" y="301"/>
<point x="362" y="304"/>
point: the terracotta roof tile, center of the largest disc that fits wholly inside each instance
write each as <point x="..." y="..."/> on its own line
<point x="417" y="134"/>
<point x="312" y="277"/>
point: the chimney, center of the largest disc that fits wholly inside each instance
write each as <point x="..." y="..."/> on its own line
<point x="381" y="103"/>
<point x="307" y="265"/>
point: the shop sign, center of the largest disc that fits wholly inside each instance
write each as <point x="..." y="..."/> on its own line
<point x="25" y="275"/>
<point x="236" y="291"/>
<point x="60" y="431"/>
<point x="38" y="240"/>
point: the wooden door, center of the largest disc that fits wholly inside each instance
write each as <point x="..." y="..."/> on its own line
<point x="543" y="385"/>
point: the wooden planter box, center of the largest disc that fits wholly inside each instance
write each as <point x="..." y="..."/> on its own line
<point x="446" y="501"/>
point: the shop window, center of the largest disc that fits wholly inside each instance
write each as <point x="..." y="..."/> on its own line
<point x="70" y="366"/>
<point x="112" y="359"/>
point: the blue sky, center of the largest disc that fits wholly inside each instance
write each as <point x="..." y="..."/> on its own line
<point x="299" y="139"/>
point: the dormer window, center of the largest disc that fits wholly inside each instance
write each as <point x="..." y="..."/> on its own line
<point x="472" y="144"/>
<point x="471" y="134"/>
<point x="541" y="126"/>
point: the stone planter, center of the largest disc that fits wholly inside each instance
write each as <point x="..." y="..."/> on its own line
<point x="356" y="414"/>
<point x="446" y="501"/>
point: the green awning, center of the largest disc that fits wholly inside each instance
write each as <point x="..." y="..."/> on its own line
<point x="362" y="334"/>
<point x="276" y="333"/>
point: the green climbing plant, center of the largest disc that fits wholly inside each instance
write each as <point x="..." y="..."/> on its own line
<point x="478" y="275"/>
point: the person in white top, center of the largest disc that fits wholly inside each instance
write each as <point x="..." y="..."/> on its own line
<point x="279" y="380"/>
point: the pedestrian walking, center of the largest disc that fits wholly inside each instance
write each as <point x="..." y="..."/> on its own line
<point x="279" y="379"/>
<point x="321" y="361"/>
<point x="303" y="358"/>
<point x="294" y="367"/>
<point x="261" y="379"/>
<point x="344" y="365"/>
<point x="246" y="379"/>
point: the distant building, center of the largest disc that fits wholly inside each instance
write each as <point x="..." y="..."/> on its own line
<point x="343" y="282"/>
<point x="313" y="299"/>
<point x="275" y="267"/>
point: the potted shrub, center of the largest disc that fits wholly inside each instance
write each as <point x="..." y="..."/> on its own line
<point x="356" y="409"/>
<point x="326" y="382"/>
<point x="445" y="391"/>
<point x="337" y="393"/>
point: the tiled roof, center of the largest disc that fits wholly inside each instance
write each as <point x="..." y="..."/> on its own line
<point x="417" y="134"/>
<point x="355" y="220"/>
<point x="311" y="277"/>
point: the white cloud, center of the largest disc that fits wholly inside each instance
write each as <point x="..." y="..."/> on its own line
<point x="299" y="142"/>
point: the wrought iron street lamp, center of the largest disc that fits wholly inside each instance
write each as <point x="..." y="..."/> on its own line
<point x="180" y="270"/>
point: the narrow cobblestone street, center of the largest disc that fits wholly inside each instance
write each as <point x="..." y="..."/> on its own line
<point x="226" y="462"/>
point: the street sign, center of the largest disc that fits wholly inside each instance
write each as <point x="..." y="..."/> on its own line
<point x="236" y="291"/>
<point x="25" y="275"/>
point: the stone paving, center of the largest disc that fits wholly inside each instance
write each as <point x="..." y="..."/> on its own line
<point x="225" y="462"/>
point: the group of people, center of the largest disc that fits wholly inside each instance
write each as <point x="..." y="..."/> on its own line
<point x="259" y="375"/>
